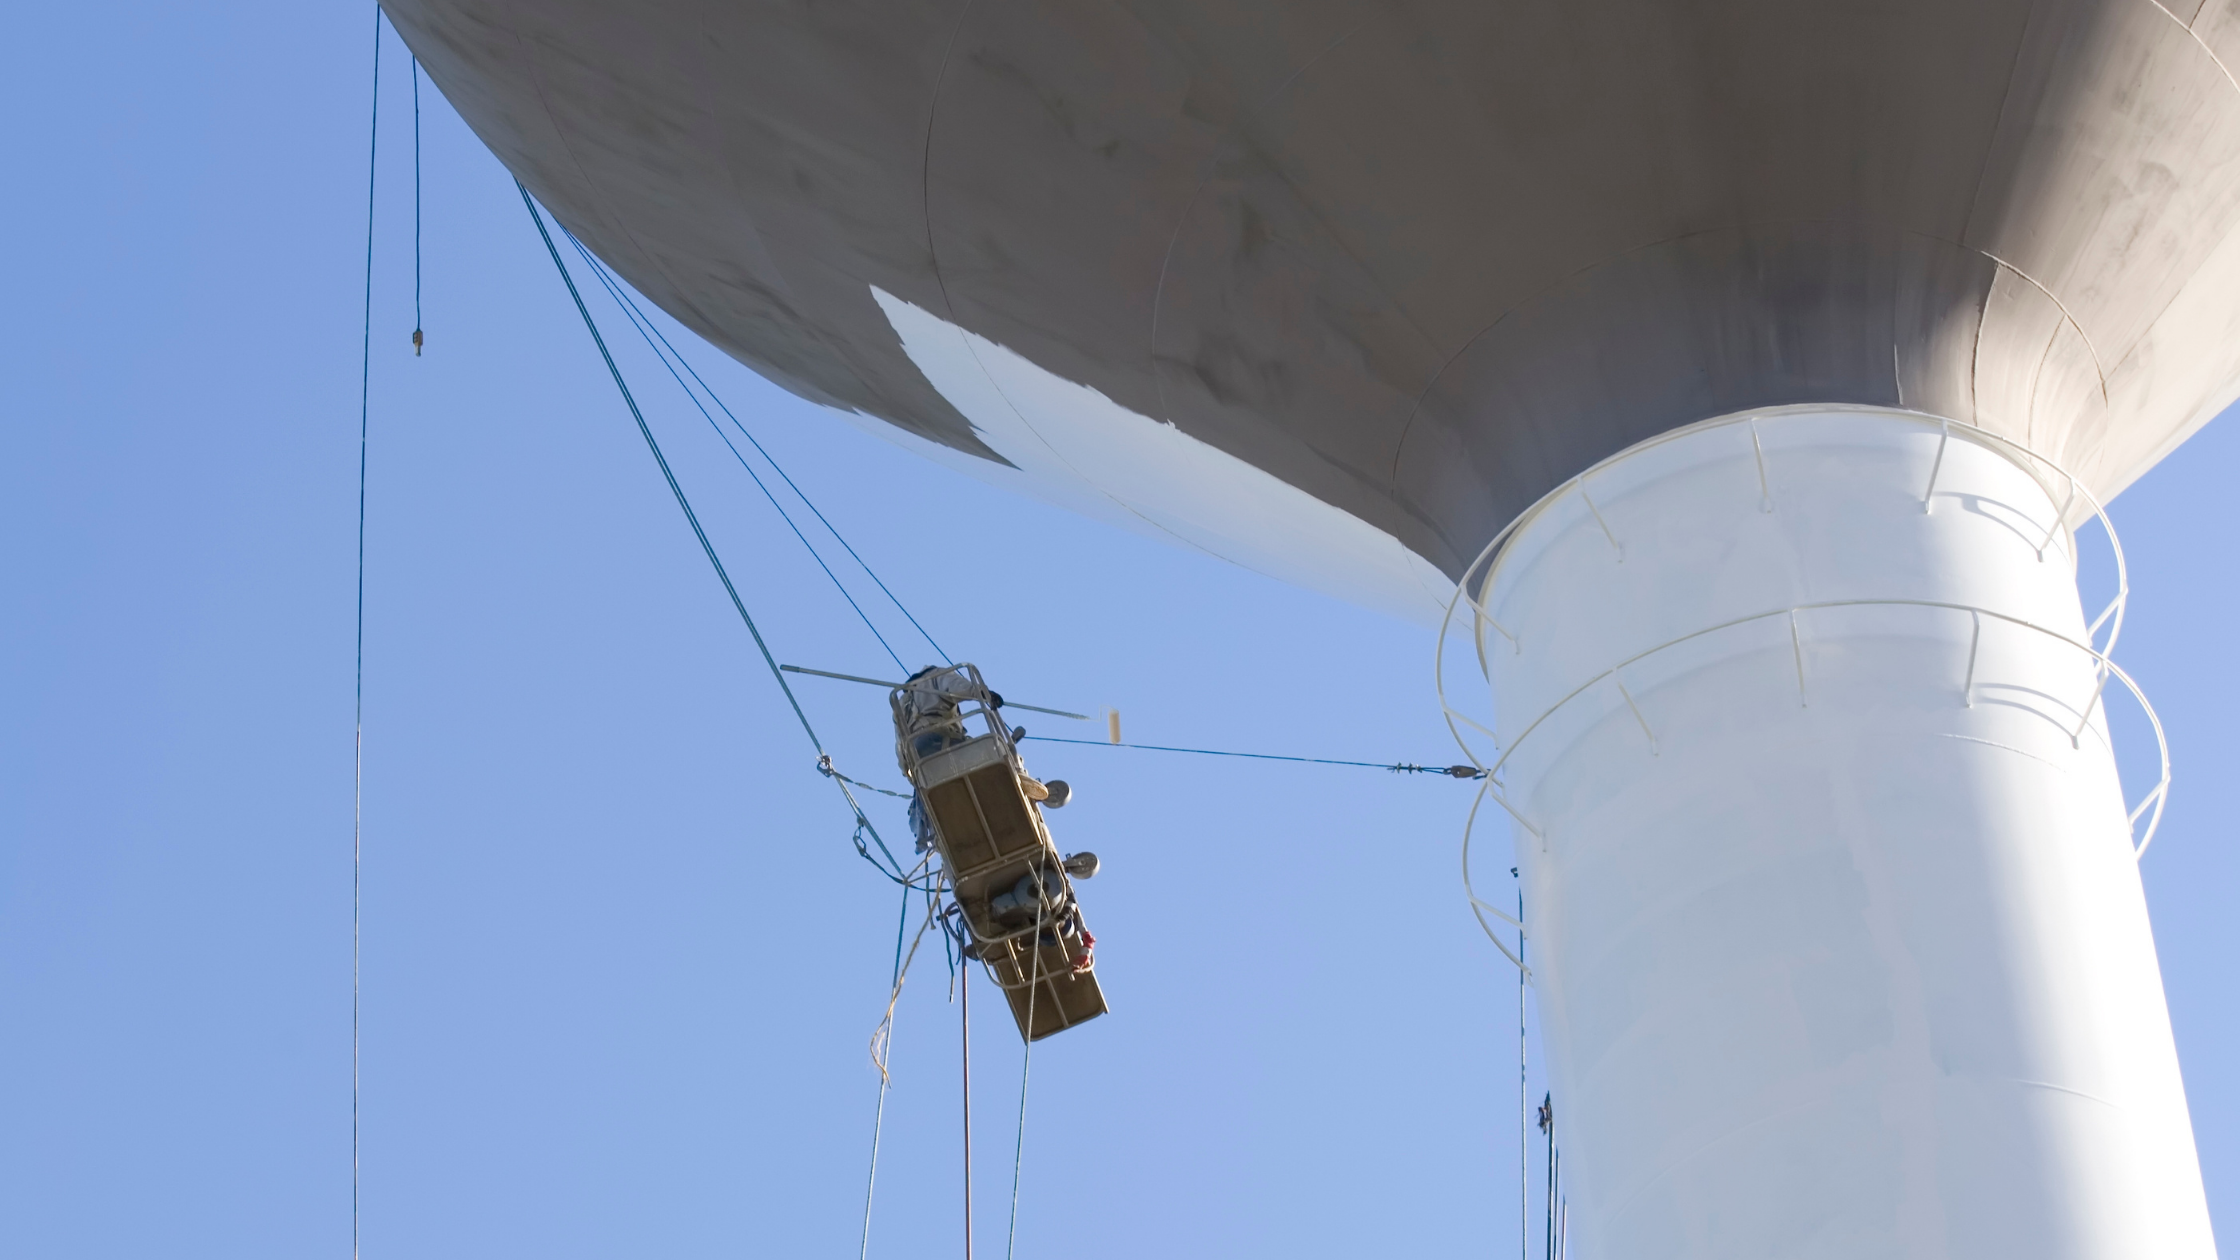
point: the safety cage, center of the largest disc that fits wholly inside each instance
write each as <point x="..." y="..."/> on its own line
<point x="980" y="808"/>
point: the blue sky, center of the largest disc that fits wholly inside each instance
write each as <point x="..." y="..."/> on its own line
<point x="620" y="961"/>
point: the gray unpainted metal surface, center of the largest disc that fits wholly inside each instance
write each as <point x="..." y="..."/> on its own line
<point x="1422" y="260"/>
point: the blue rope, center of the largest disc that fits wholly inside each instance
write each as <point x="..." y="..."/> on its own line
<point x="778" y="468"/>
<point x="416" y="321"/>
<point x="1398" y="767"/>
<point x="358" y="737"/>
<point x="638" y="321"/>
<point x="893" y="870"/>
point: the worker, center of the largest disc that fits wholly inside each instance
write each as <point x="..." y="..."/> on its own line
<point x="1024" y="895"/>
<point x="921" y="823"/>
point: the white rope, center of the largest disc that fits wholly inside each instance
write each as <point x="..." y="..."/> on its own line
<point x="882" y="1037"/>
<point x="882" y="1044"/>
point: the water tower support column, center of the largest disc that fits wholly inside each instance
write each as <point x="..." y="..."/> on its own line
<point x="1840" y="945"/>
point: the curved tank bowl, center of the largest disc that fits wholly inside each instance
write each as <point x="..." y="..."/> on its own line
<point x="1418" y="263"/>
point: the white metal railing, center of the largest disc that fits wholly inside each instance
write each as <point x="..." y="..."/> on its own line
<point x="2103" y="670"/>
<point x="2036" y="465"/>
<point x="1480" y="573"/>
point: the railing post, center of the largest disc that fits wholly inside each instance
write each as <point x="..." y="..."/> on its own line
<point x="1975" y="638"/>
<point x="1796" y="647"/>
<point x="2077" y="735"/>
<point x="2060" y="516"/>
<point x="1587" y="499"/>
<point x="1636" y="712"/>
<point x="1765" y="489"/>
<point x="1929" y="496"/>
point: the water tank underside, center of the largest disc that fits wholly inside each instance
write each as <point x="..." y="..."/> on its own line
<point x="1420" y="262"/>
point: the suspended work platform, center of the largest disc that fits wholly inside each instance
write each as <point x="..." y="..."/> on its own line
<point x="980" y="808"/>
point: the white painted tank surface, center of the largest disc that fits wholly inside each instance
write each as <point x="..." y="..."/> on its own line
<point x="1837" y="932"/>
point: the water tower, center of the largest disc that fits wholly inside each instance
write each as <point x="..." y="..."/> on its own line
<point x="1747" y="362"/>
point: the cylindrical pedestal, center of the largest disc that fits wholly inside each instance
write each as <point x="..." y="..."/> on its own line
<point x="1837" y="934"/>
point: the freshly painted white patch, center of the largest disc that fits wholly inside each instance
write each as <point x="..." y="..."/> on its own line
<point x="1076" y="448"/>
